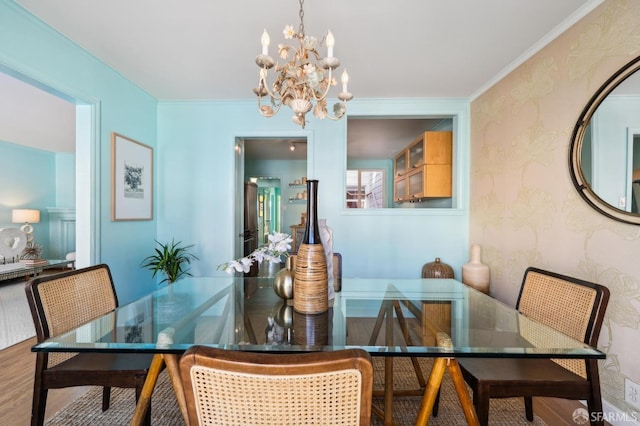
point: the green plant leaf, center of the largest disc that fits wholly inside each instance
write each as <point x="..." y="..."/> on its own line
<point x="171" y="259"/>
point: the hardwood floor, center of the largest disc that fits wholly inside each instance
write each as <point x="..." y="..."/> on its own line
<point x="16" y="389"/>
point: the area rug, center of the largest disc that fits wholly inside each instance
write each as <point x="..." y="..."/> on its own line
<point x="164" y="409"/>
<point x="16" y="324"/>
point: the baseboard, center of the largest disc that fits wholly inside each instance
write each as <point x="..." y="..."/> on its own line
<point x="559" y="412"/>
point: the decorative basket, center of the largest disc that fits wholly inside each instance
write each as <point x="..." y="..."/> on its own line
<point x="437" y="269"/>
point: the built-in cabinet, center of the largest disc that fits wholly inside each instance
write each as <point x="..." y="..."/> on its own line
<point x="423" y="169"/>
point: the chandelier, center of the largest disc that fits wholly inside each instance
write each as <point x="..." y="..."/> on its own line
<point x="306" y="77"/>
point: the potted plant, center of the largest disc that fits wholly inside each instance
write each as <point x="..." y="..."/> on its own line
<point x="172" y="259"/>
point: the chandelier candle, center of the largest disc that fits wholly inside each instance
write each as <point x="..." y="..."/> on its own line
<point x="310" y="282"/>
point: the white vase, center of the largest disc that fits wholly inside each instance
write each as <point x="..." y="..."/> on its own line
<point x="475" y="273"/>
<point x="326" y="236"/>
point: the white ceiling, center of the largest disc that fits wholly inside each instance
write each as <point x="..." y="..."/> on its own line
<point x="205" y="49"/>
<point x="32" y="117"/>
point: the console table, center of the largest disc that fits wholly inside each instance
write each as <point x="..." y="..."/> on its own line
<point x="18" y="269"/>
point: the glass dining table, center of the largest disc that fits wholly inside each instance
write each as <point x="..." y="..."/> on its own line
<point x="438" y="318"/>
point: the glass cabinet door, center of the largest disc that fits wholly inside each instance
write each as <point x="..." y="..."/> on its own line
<point x="416" y="183"/>
<point x="416" y="153"/>
<point x="400" y="164"/>
<point x="400" y="189"/>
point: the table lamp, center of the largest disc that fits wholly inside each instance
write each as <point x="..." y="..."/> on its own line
<point x="26" y="216"/>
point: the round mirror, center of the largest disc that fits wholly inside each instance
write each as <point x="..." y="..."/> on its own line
<point x="604" y="155"/>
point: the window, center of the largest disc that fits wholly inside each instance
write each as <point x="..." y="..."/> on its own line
<point x="365" y="189"/>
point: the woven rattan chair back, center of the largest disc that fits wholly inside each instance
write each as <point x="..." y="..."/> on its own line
<point x="566" y="304"/>
<point x="62" y="302"/>
<point x="240" y="388"/>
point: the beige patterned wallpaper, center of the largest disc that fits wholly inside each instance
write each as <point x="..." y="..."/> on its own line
<point x="524" y="208"/>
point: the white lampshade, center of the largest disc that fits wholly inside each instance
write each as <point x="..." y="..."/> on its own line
<point x="25" y="216"/>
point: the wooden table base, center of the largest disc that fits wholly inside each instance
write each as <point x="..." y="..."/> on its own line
<point x="385" y="316"/>
<point x="434" y="382"/>
<point x="159" y="361"/>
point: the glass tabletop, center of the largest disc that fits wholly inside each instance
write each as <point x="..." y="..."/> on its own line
<point x="386" y="317"/>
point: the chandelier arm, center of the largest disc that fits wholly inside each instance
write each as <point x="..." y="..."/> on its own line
<point x="326" y="92"/>
<point x="274" y="110"/>
<point x="336" y="117"/>
<point x="263" y="82"/>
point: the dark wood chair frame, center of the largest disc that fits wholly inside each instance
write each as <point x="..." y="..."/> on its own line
<point x="511" y="377"/>
<point x="124" y="370"/>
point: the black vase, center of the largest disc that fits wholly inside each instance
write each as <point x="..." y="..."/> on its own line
<point x="312" y="230"/>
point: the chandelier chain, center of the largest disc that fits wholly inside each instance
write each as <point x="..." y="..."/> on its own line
<point x="301" y="14"/>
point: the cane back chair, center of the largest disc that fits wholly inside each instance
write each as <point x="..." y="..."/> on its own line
<point x="225" y="387"/>
<point x="62" y="302"/>
<point x="572" y="306"/>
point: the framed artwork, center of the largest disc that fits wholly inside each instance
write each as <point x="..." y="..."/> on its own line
<point x="131" y="179"/>
<point x="134" y="323"/>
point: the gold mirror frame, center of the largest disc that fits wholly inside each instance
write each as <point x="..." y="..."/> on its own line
<point x="575" y="150"/>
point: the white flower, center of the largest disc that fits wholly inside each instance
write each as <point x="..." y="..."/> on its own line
<point x="309" y="42"/>
<point x="309" y="69"/>
<point x="288" y="32"/>
<point x="279" y="245"/>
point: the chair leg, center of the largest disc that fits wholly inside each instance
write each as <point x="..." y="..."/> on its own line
<point x="481" y="402"/>
<point x="594" y="402"/>
<point x="528" y="408"/>
<point x="434" y="411"/>
<point x="106" y="398"/>
<point x="39" y="406"/>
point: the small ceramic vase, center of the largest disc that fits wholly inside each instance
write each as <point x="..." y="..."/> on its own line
<point x="475" y="273"/>
<point x="326" y="236"/>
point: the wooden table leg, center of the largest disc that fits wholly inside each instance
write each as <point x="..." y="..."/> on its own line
<point x="431" y="391"/>
<point x="433" y="386"/>
<point x="388" y="391"/>
<point x="147" y="390"/>
<point x="174" y="373"/>
<point x="407" y="338"/>
<point x="463" y="395"/>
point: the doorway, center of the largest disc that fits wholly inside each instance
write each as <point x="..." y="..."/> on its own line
<point x="269" y="208"/>
<point x="274" y="164"/>
<point x="38" y="98"/>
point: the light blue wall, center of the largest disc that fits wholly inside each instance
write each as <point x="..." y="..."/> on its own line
<point x="196" y="171"/>
<point x="65" y="180"/>
<point x="33" y="50"/>
<point x="195" y="166"/>
<point x="27" y="181"/>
